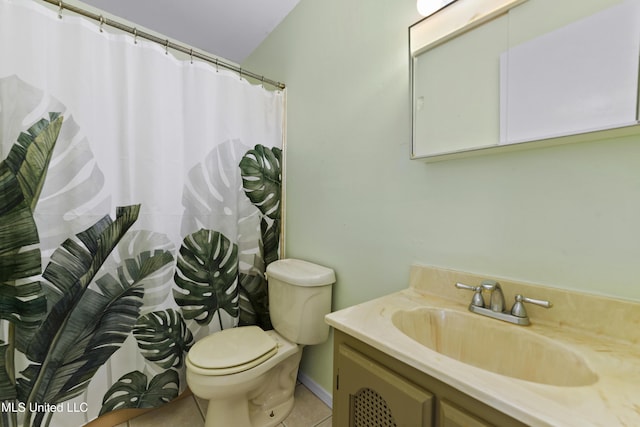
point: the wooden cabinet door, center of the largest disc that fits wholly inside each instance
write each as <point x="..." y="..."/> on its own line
<point x="450" y="415"/>
<point x="368" y="394"/>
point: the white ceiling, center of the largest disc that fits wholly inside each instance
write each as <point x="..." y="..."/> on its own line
<point x="230" y="29"/>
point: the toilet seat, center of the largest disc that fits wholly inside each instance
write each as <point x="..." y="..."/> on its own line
<point x="232" y="350"/>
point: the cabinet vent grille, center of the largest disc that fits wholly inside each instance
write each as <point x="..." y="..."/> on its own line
<point x="371" y="410"/>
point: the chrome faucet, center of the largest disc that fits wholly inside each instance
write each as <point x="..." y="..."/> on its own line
<point x="496" y="301"/>
<point x="517" y="314"/>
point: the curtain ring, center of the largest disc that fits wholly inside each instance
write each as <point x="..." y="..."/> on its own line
<point x="240" y="73"/>
<point x="101" y="23"/>
<point x="61" y="7"/>
<point x="135" y="36"/>
<point x="166" y="47"/>
<point x="262" y="82"/>
<point x="191" y="55"/>
<point x="217" y="70"/>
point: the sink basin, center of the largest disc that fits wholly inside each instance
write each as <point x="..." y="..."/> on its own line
<point x="495" y="346"/>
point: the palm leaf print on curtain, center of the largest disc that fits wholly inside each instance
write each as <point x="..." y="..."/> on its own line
<point x="130" y="227"/>
<point x="262" y="183"/>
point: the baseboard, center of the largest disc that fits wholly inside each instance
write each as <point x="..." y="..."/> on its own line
<point x="316" y="389"/>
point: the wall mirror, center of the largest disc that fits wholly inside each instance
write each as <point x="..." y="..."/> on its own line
<point x="503" y="74"/>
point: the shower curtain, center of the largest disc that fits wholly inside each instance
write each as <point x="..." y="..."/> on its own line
<point x="139" y="207"/>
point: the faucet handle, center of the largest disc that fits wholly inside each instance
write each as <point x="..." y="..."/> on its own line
<point x="477" y="299"/>
<point x="519" y="310"/>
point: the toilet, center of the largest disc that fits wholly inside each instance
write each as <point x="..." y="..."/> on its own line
<point x="249" y="375"/>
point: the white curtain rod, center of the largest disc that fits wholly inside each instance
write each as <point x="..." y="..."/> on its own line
<point x="166" y="43"/>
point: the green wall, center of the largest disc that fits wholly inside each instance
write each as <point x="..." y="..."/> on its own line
<point x="566" y="216"/>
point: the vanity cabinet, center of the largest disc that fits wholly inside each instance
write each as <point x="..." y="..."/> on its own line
<point x="371" y="388"/>
<point x="375" y="395"/>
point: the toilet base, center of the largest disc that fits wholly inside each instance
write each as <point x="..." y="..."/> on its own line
<point x="239" y="416"/>
<point x="265" y="406"/>
<point x="274" y="416"/>
<point x="231" y="412"/>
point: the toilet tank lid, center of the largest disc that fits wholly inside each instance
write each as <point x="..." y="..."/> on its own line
<point x="301" y="273"/>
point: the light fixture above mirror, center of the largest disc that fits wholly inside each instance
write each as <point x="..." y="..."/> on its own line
<point x="428" y="7"/>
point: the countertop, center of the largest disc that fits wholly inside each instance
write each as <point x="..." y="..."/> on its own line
<point x="608" y="340"/>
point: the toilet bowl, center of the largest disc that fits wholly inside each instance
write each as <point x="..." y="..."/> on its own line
<point x="254" y="393"/>
<point x="248" y="375"/>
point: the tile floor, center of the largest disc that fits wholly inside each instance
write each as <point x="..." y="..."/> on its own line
<point x="308" y="411"/>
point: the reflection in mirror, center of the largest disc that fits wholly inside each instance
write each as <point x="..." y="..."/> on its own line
<point x="581" y="77"/>
<point x="445" y="118"/>
<point x="453" y="59"/>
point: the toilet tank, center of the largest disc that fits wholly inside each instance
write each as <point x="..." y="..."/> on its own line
<point x="299" y="298"/>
